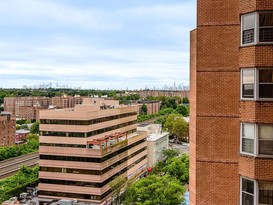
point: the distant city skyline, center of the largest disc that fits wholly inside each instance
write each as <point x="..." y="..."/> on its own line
<point x="43" y="85"/>
<point x="95" y="44"/>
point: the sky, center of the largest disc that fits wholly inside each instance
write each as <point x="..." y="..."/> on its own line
<point x="95" y="44"/>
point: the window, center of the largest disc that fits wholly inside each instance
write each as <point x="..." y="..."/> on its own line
<point x="257" y="83"/>
<point x="266" y="27"/>
<point x="248" y="135"/>
<point x="265" y="83"/>
<point x="257" y="28"/>
<point x="248" y="28"/>
<point x="256" y="191"/>
<point x="265" y="193"/>
<point x="247" y="192"/>
<point x="248" y="82"/>
<point x="257" y="139"/>
<point x="266" y="139"/>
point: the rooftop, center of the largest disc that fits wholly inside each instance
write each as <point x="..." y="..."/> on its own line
<point x="22" y="131"/>
<point x="156" y="136"/>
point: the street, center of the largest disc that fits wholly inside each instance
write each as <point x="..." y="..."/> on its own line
<point x="184" y="148"/>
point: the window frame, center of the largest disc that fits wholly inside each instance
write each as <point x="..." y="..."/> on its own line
<point x="255" y="145"/>
<point x="256" y="29"/>
<point x="241" y="84"/>
<point x="256" y="85"/>
<point x="256" y="140"/>
<point x="255" y="191"/>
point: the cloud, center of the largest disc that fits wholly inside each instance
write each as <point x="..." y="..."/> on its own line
<point x="130" y="46"/>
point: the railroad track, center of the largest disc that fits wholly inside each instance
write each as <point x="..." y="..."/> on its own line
<point x="10" y="166"/>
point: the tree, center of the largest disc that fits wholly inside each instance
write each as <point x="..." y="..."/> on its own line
<point x="155" y="190"/>
<point x="177" y="126"/>
<point x="178" y="167"/>
<point x="183" y="110"/>
<point x="116" y="186"/>
<point x="21" y="122"/>
<point x="31" y="136"/>
<point x="169" y="153"/>
<point x="35" y="128"/>
<point x="143" y="109"/>
<point x="186" y="100"/>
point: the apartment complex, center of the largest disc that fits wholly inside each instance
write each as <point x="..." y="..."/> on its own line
<point x="155" y="93"/>
<point x="26" y="107"/>
<point x="231" y="99"/>
<point x="83" y="149"/>
<point x="7" y="129"/>
<point x="29" y="107"/>
<point x="66" y="101"/>
<point x="153" y="106"/>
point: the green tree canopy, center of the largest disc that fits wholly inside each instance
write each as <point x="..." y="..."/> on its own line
<point x="183" y="110"/>
<point x="178" y="167"/>
<point x="170" y="153"/>
<point x="116" y="186"/>
<point x="35" y="128"/>
<point x="155" y="190"/>
<point x="31" y="136"/>
<point x="143" y="109"/>
<point x="177" y="126"/>
<point x="186" y="100"/>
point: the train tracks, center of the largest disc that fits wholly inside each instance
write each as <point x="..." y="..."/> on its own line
<point x="10" y="166"/>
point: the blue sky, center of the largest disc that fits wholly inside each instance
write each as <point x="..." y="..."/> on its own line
<point x="100" y="44"/>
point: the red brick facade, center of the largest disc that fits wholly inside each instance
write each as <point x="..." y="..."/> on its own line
<point x="7" y="129"/>
<point x="29" y="107"/>
<point x="217" y="110"/>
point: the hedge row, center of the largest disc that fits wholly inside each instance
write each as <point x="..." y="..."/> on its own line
<point x="166" y="111"/>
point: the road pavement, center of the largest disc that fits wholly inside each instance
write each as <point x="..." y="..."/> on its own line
<point x="184" y="148"/>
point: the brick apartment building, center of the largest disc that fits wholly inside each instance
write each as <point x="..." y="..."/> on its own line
<point x="84" y="148"/>
<point x="29" y="107"/>
<point x="155" y="93"/>
<point x="231" y="103"/>
<point x="26" y="107"/>
<point x="7" y="129"/>
<point x="66" y="101"/>
<point x="153" y="106"/>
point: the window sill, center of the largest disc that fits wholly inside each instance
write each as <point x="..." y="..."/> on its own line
<point x="270" y="157"/>
<point x="256" y="44"/>
<point x="257" y="100"/>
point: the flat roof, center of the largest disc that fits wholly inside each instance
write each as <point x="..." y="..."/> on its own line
<point x="155" y="137"/>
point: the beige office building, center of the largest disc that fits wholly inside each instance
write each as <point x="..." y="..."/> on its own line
<point x="84" y="148"/>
